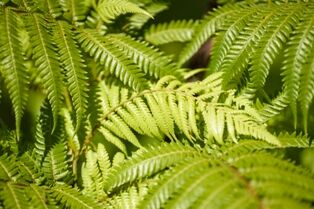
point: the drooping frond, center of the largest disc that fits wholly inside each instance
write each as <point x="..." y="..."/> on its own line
<point x="111" y="58"/>
<point x="137" y="21"/>
<point x="207" y="27"/>
<point x="109" y="9"/>
<point x="46" y="60"/>
<point x="231" y="180"/>
<point x="72" y="62"/>
<point x="9" y="170"/>
<point x="13" y="70"/>
<point x="150" y="60"/>
<point x="174" y="31"/>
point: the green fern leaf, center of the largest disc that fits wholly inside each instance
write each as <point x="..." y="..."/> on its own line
<point x="55" y="167"/>
<point x="14" y="73"/>
<point x="72" y="198"/>
<point x="205" y="30"/>
<point x="9" y="169"/>
<point x="12" y="195"/>
<point x="174" y="31"/>
<point x="153" y="62"/>
<point x="46" y="60"/>
<point x="109" y="9"/>
<point x="146" y="163"/>
<point x="111" y="58"/>
<point x="75" y="10"/>
<point x="50" y="6"/>
<point x="138" y="20"/>
<point x="38" y="196"/>
<point x="72" y="61"/>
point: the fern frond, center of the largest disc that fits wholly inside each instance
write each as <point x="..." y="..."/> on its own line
<point x="207" y="27"/>
<point x="137" y="21"/>
<point x="75" y="10"/>
<point x="72" y="62"/>
<point x="12" y="195"/>
<point x="269" y="46"/>
<point x="55" y="167"/>
<point x="9" y="169"/>
<point x="148" y="162"/>
<point x="230" y="180"/>
<point x="111" y="58"/>
<point x="72" y="198"/>
<point x="51" y="7"/>
<point x="14" y="73"/>
<point x="46" y="60"/>
<point x="174" y="31"/>
<point x="109" y="9"/>
<point x="153" y="62"/>
<point x="38" y="197"/>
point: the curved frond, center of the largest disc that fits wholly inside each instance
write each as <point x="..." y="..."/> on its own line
<point x="150" y="60"/>
<point x="14" y="72"/>
<point x="111" y="58"/>
<point x="207" y="27"/>
<point x="12" y="195"/>
<point x="237" y="180"/>
<point x="174" y="31"/>
<point x="109" y="9"/>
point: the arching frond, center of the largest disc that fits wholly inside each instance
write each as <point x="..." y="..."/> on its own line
<point x="207" y="27"/>
<point x="137" y="21"/>
<point x="175" y="31"/>
<point x="111" y="58"/>
<point x="11" y="55"/>
<point x="109" y="9"/>
<point x="12" y="195"/>
<point x="153" y="62"/>
<point x="224" y="181"/>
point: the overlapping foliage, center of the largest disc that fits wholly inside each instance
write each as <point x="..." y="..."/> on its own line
<point x="121" y="123"/>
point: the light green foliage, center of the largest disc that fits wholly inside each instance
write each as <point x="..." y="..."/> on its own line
<point x="122" y="124"/>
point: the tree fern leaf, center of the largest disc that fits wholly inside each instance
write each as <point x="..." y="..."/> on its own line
<point x="15" y="74"/>
<point x="295" y="56"/>
<point x="72" y="198"/>
<point x="112" y="59"/>
<point x="271" y="43"/>
<point x="55" y="165"/>
<point x="222" y="44"/>
<point x="153" y="62"/>
<point x="12" y="195"/>
<point x="174" y="31"/>
<point x="38" y="196"/>
<point x="109" y="136"/>
<point x="72" y="61"/>
<point x="39" y="145"/>
<point x="46" y="60"/>
<point x="205" y="30"/>
<point x="172" y="182"/>
<point x="109" y="9"/>
<point x="147" y="163"/>
<point x="9" y="169"/>
<point x="50" y="6"/>
<point x="74" y="10"/>
<point x="237" y="58"/>
<point x="138" y="20"/>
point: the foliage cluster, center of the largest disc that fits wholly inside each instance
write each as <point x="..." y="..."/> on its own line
<point x="125" y="123"/>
